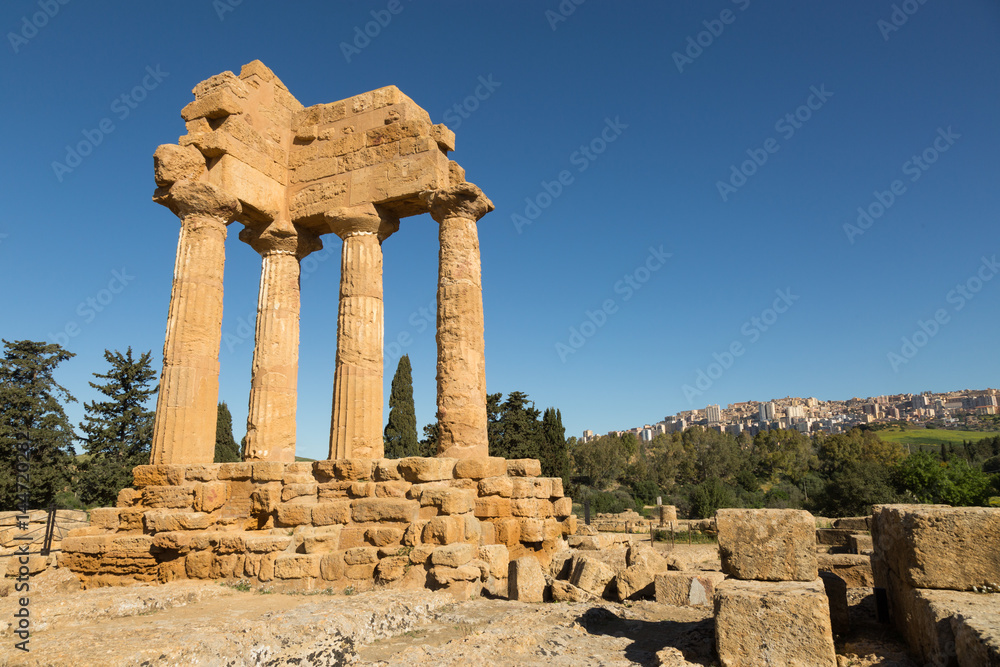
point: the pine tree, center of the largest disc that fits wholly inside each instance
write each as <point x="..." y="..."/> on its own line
<point x="401" y="430"/>
<point x="429" y="445"/>
<point x="554" y="455"/>
<point x="226" y="450"/>
<point x="32" y="421"/>
<point x="519" y="433"/>
<point x="118" y="432"/>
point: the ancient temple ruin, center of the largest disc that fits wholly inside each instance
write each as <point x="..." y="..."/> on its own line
<point x="290" y="174"/>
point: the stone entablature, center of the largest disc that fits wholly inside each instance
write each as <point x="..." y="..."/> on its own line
<point x="414" y="522"/>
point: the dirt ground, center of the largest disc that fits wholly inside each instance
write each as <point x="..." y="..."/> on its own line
<point x="199" y="623"/>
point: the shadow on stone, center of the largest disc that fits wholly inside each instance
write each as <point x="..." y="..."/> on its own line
<point x="695" y="639"/>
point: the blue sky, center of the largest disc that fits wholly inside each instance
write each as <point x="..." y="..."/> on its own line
<point x="865" y="98"/>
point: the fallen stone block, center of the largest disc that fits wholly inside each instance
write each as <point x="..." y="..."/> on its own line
<point x="767" y="545"/>
<point x="525" y="581"/>
<point x="593" y="576"/>
<point x="773" y="623"/>
<point x="563" y="591"/>
<point x="454" y="555"/>
<point x="935" y="546"/>
<point x="854" y="569"/>
<point x="687" y="589"/>
<point x="634" y="583"/>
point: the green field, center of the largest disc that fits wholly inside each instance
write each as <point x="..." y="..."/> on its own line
<point x="924" y="437"/>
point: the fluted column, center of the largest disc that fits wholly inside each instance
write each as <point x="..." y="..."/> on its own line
<point x="274" y="376"/>
<point x="356" y="422"/>
<point x="187" y="406"/>
<point x="461" y="366"/>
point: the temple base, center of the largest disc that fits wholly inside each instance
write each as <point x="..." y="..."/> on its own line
<point x="346" y="524"/>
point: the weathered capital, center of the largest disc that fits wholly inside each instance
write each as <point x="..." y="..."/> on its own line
<point x="463" y="200"/>
<point x="361" y="219"/>
<point x="187" y="198"/>
<point x="281" y="236"/>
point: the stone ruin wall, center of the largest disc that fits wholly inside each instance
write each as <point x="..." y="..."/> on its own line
<point x="355" y="523"/>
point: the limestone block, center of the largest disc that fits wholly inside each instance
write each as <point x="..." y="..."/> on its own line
<point x="354" y="469"/>
<point x="382" y="536"/>
<point x="297" y="566"/>
<point x="367" y="510"/>
<point x="532" y="530"/>
<point x="386" y="470"/>
<point x="593" y="576"/>
<point x="104" y="517"/>
<point x="569" y="526"/>
<point x="836" y="594"/>
<point x="323" y="542"/>
<point x="426" y="469"/>
<point x="217" y="104"/>
<point x="392" y="489"/>
<point x="635" y="582"/>
<point x="339" y="489"/>
<point x="325" y="514"/>
<point x="447" y="500"/>
<point x="473" y="529"/>
<point x="454" y="555"/>
<point x="531" y="487"/>
<point x="392" y="568"/>
<point x="128" y="497"/>
<point x="557" y="488"/>
<point x="530" y="507"/>
<point x="524" y="468"/>
<point x="361" y="489"/>
<point x="300" y="491"/>
<point x="487" y="532"/>
<point x="332" y="566"/>
<point x="854" y="569"/>
<point x="779" y="623"/>
<point x="690" y="589"/>
<point x="860" y="543"/>
<point x="172" y="163"/>
<point x="242" y="470"/>
<point x="444" y="530"/>
<point x="198" y="565"/>
<point x="642" y="553"/>
<point x="939" y="547"/>
<point x="502" y="486"/>
<point x="156" y="521"/>
<point x="210" y="496"/>
<point x="265" y="499"/>
<point x="157" y="475"/>
<point x="767" y="545"/>
<point x="267" y="471"/>
<point x="294" y="514"/>
<point x="496" y="557"/>
<point x="490" y="507"/>
<point x="590" y="542"/>
<point x="525" y="581"/>
<point x="130" y="519"/>
<point x="267" y="543"/>
<point x="177" y="497"/>
<point x="977" y="639"/>
<point x="563" y="591"/>
<point x="479" y="468"/>
<point x="446" y="575"/>
<point x="361" y="556"/>
<point x="422" y="553"/>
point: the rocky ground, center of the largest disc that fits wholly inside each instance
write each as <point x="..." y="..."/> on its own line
<point x="198" y="623"/>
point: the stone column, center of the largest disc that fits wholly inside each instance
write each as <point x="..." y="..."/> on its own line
<point x="274" y="378"/>
<point x="356" y="422"/>
<point x="187" y="406"/>
<point x="461" y="366"/>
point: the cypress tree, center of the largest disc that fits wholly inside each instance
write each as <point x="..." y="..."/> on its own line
<point x="226" y="450"/>
<point x="32" y="420"/>
<point x="554" y="455"/>
<point x="118" y="432"/>
<point x="401" y="430"/>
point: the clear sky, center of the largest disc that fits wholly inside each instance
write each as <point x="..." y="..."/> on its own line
<point x="713" y="154"/>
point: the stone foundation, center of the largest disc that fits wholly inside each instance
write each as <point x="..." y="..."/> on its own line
<point x="344" y="524"/>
